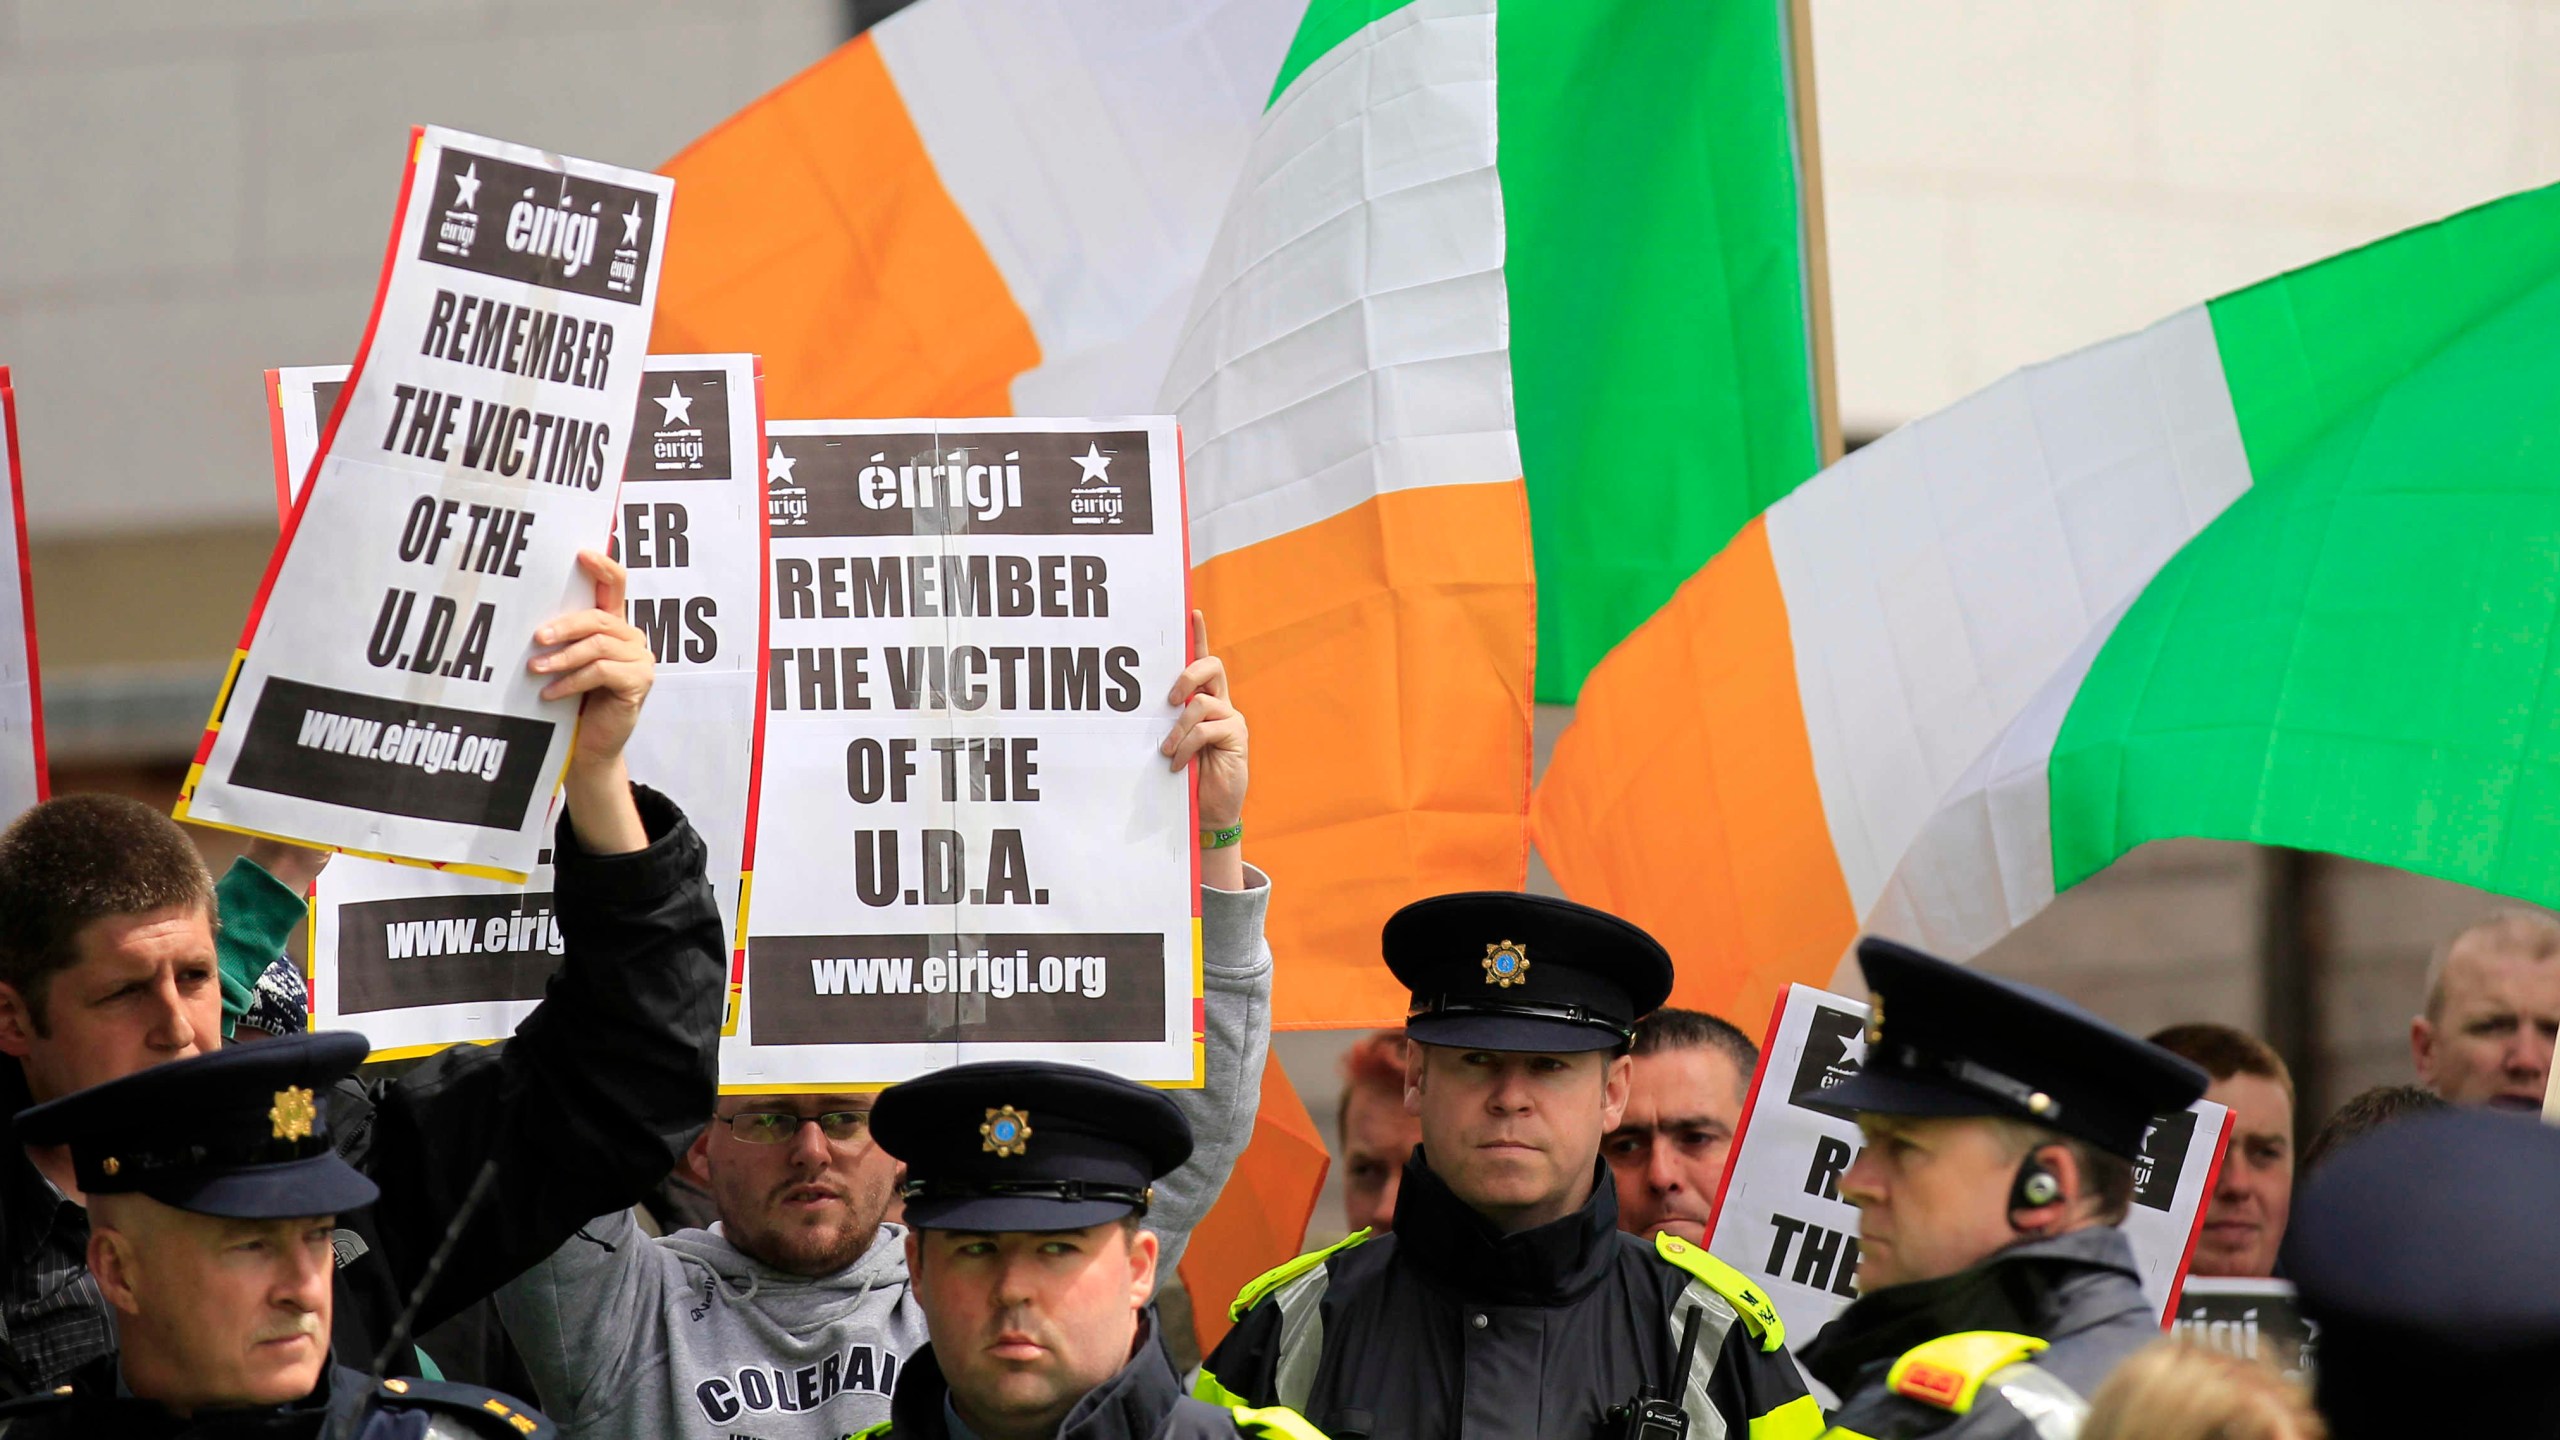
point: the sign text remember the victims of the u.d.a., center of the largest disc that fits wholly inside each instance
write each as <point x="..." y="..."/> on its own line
<point x="380" y="701"/>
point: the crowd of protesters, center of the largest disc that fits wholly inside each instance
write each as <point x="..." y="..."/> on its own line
<point x="200" y="1232"/>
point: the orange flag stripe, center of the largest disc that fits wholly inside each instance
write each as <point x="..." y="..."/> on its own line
<point x="1741" y="770"/>
<point x="1260" y="1219"/>
<point x="1387" y="652"/>
<point x="812" y="228"/>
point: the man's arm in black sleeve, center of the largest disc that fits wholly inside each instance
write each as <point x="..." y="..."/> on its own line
<point x="595" y="1098"/>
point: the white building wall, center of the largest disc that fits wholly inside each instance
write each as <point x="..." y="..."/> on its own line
<point x="2008" y="180"/>
<point x="192" y="191"/>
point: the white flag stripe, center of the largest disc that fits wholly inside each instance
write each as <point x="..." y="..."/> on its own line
<point x="1936" y="580"/>
<point x="1352" y="331"/>
<point x="1092" y="145"/>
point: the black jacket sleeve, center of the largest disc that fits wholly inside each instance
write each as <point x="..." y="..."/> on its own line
<point x="591" y="1103"/>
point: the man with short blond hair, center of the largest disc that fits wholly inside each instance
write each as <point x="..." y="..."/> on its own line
<point x="2492" y="1012"/>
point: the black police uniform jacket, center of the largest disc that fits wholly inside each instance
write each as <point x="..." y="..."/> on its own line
<point x="1144" y="1401"/>
<point x="345" y="1406"/>
<point x="2081" y="1293"/>
<point x="594" y="1100"/>
<point x="1447" y="1327"/>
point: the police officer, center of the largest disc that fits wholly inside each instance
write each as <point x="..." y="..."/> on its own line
<point x="2426" y="1254"/>
<point x="2001" y="1129"/>
<point x="214" y="1193"/>
<point x="1507" y="1302"/>
<point x="1024" y="1187"/>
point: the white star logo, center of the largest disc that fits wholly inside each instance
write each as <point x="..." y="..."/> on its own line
<point x="677" y="404"/>
<point x="631" y="225"/>
<point x="778" y="467"/>
<point x="1853" y="1049"/>
<point x="466" y="187"/>
<point x="1094" y="463"/>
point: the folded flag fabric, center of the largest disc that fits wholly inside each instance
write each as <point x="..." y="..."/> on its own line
<point x="975" y="207"/>
<point x="1505" y="333"/>
<point x="2282" y="568"/>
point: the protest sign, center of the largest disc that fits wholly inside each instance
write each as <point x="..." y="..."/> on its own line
<point x="23" y="777"/>
<point x="379" y="701"/>
<point x="420" y="958"/>
<point x="1780" y="1217"/>
<point x="2258" y="1320"/>
<point x="972" y="847"/>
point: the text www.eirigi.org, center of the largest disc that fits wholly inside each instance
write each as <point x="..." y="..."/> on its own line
<point x="956" y="972"/>
<point x="425" y="747"/>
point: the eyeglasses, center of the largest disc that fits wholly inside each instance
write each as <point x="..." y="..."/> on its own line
<point x="773" y="1127"/>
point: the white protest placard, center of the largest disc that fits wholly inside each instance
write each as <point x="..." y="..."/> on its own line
<point x="24" y="780"/>
<point x="1780" y="1218"/>
<point x="2258" y="1320"/>
<point x="420" y="958"/>
<point x="971" y="848"/>
<point x="379" y="702"/>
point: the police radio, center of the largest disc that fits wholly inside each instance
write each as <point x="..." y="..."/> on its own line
<point x="1649" y="1416"/>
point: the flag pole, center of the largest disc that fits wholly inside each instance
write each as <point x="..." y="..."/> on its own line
<point x="1817" y="259"/>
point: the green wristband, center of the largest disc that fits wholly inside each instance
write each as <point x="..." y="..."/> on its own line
<point x="1221" y="839"/>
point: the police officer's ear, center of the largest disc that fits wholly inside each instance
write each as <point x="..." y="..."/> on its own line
<point x="2048" y="1186"/>
<point x="17" y="1023"/>
<point x="1415" y="1062"/>
<point x="1617" y="1083"/>
<point x="1144" y="1251"/>
<point x="111" y="1261"/>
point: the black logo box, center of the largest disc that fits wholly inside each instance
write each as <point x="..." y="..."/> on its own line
<point x="1820" y="1066"/>
<point x="272" y="758"/>
<point x="480" y="246"/>
<point x="369" y="979"/>
<point x="708" y="389"/>
<point x="829" y="468"/>
<point x="787" y="1010"/>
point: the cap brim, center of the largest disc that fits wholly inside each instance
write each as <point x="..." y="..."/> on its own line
<point x="992" y="1214"/>
<point x="1511" y="1032"/>
<point x="288" y="1189"/>
<point x="1877" y="1093"/>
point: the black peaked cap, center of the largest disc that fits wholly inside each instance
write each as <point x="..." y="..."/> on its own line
<point x="1498" y="970"/>
<point x="2426" y="1251"/>
<point x="1027" y="1145"/>
<point x="242" y="1132"/>
<point x="1946" y="1039"/>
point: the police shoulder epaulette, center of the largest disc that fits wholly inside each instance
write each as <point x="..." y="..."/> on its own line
<point x="1948" y="1372"/>
<point x="1759" y="1316"/>
<point x="488" y="1407"/>
<point x="1275" y="1277"/>
<point x="1275" y="1422"/>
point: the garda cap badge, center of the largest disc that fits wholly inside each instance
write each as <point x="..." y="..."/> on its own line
<point x="292" y="1113"/>
<point x="1506" y="964"/>
<point x="1005" y="1132"/>
<point x="1875" y="1021"/>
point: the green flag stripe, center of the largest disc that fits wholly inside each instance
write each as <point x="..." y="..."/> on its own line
<point x="1326" y="24"/>
<point x="2358" y="656"/>
<point x="1654" y="264"/>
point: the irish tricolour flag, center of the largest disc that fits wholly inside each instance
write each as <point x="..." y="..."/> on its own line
<point x="1506" y="332"/>
<point x="2283" y="568"/>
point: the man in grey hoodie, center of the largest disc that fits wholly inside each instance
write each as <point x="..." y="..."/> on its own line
<point x="790" y="1317"/>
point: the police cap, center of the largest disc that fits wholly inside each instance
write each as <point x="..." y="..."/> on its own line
<point x="1948" y="1040"/>
<point x="242" y="1132"/>
<point x="1495" y="970"/>
<point x="2425" y="1252"/>
<point x="1024" y="1145"/>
